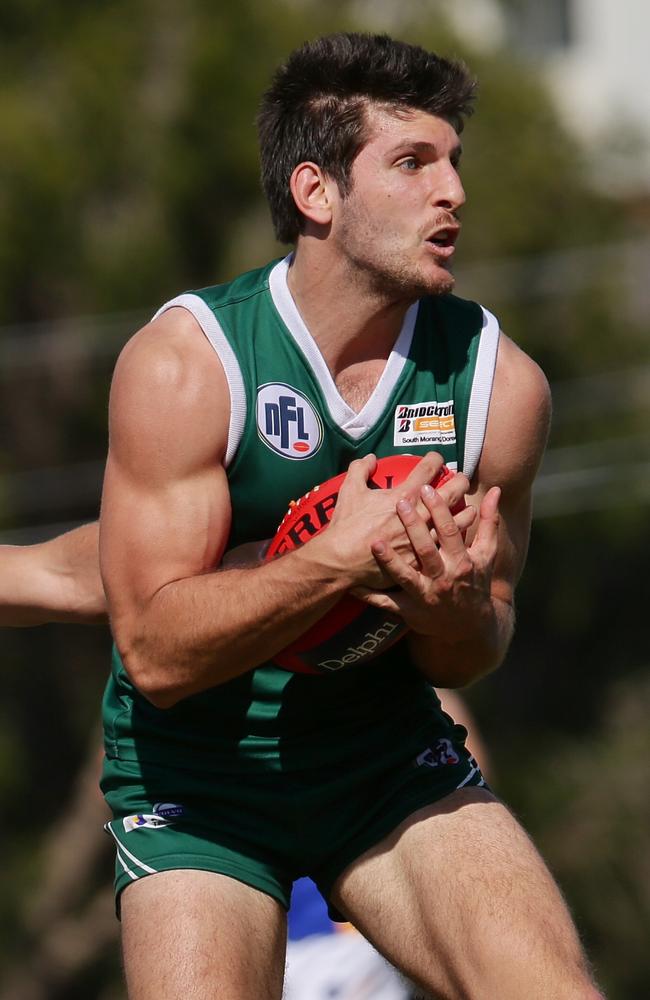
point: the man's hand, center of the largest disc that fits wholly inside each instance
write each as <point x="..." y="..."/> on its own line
<point x="459" y="599"/>
<point x="447" y="593"/>
<point x="363" y="515"/>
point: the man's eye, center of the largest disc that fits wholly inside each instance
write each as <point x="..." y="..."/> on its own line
<point x="409" y="164"/>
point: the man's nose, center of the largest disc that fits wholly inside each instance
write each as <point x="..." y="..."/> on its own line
<point x="449" y="192"/>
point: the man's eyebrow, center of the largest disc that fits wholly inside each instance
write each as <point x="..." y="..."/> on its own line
<point x="425" y="148"/>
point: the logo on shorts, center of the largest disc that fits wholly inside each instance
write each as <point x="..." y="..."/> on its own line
<point x="425" y="423"/>
<point x="143" y="821"/>
<point x="169" y="810"/>
<point x="164" y="814"/>
<point x="438" y="755"/>
<point x="287" y="422"/>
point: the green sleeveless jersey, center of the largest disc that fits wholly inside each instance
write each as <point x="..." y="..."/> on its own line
<point x="290" y="430"/>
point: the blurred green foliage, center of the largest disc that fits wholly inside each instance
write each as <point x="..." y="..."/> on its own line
<point x="128" y="172"/>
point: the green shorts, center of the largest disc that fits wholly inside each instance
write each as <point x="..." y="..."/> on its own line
<point x="268" y="829"/>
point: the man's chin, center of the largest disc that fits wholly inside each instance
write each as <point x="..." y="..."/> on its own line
<point x="410" y="283"/>
<point x="440" y="283"/>
<point x="440" y="276"/>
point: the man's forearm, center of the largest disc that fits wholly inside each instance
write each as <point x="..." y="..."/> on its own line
<point x="459" y="663"/>
<point x="24" y="595"/>
<point x="53" y="581"/>
<point x="202" y="631"/>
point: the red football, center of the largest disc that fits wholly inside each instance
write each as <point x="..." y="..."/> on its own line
<point x="351" y="632"/>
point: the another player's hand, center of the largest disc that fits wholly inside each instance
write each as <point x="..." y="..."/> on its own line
<point x="448" y="592"/>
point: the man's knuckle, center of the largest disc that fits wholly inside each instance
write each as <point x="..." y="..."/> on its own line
<point x="465" y="567"/>
<point x="428" y="549"/>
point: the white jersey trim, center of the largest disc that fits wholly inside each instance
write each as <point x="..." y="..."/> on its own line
<point x="355" y="425"/>
<point x="479" y="400"/>
<point x="214" y="333"/>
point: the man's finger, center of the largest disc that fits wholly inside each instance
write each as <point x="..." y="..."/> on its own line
<point x="424" y="472"/>
<point x="358" y="473"/>
<point x="376" y="599"/>
<point x="465" y="518"/>
<point x="487" y="533"/>
<point x="409" y="579"/>
<point x="454" y="490"/>
<point x="449" y="535"/>
<point x="424" y="546"/>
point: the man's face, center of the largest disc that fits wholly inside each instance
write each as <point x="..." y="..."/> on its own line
<point x="397" y="227"/>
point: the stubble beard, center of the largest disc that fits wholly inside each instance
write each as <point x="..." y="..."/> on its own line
<point x="394" y="281"/>
<point x="385" y="273"/>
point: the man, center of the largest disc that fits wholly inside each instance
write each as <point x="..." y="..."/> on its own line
<point x="58" y="580"/>
<point x="229" y="777"/>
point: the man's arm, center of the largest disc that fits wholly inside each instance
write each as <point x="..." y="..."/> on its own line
<point x="460" y="604"/>
<point x="181" y="626"/>
<point x="53" y="581"/>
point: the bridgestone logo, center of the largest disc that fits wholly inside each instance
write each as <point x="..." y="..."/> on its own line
<point x="427" y="423"/>
<point x="430" y="410"/>
<point x="369" y="646"/>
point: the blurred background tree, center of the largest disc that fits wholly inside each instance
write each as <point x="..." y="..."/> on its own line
<point x="128" y="172"/>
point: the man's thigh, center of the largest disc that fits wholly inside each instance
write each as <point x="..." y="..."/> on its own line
<point x="197" y="935"/>
<point x="459" y="899"/>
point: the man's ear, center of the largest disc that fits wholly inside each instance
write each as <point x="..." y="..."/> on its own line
<point x="312" y="193"/>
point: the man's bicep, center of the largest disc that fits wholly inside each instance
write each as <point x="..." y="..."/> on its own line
<point x="518" y="422"/>
<point x="151" y="537"/>
<point x="166" y="505"/>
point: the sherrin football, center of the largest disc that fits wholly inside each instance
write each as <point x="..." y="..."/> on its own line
<point x="350" y="633"/>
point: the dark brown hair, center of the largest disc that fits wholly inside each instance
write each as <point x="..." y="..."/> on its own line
<point x="315" y="108"/>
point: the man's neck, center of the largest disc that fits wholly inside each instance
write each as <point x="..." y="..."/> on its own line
<point x="349" y="322"/>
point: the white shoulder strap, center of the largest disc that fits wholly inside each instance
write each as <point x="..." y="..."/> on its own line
<point x="214" y="332"/>
<point x="479" y="400"/>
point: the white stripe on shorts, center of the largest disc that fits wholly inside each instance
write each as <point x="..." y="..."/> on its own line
<point x="475" y="770"/>
<point x="129" y="855"/>
<point x="126" y="868"/>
